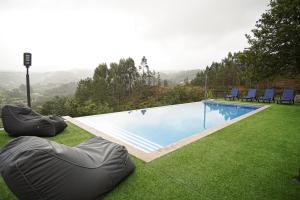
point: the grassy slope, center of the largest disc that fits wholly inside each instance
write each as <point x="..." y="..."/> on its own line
<point x="252" y="159"/>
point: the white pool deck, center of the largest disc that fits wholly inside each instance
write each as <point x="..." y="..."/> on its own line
<point x="148" y="157"/>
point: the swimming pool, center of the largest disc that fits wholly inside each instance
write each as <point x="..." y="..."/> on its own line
<point x="152" y="129"/>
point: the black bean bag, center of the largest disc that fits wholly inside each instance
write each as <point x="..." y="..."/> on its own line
<point x="23" y="121"/>
<point x="39" y="169"/>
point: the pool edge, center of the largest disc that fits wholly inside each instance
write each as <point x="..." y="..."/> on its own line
<point x="148" y="157"/>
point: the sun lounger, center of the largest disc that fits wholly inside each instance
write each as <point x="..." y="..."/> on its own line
<point x="250" y="96"/>
<point x="268" y="96"/>
<point x="233" y="94"/>
<point x="288" y="96"/>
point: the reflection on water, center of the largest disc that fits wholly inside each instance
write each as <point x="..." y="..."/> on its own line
<point x="204" y="115"/>
<point x="227" y="113"/>
<point x="143" y="111"/>
<point x="168" y="124"/>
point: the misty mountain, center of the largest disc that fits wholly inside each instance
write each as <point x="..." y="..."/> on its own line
<point x="67" y="89"/>
<point x="46" y="85"/>
<point x="42" y="80"/>
<point x="177" y="77"/>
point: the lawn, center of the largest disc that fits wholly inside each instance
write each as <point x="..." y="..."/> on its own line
<point x="255" y="158"/>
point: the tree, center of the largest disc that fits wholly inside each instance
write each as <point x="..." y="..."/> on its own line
<point x="158" y="79"/>
<point x="276" y="39"/>
<point x="186" y="80"/>
<point x="146" y="73"/>
<point x="100" y="85"/>
<point x="22" y="88"/>
<point x="166" y="83"/>
<point x="84" y="90"/>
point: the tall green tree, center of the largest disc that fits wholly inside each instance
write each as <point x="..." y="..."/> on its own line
<point x="276" y="39"/>
<point x="100" y="84"/>
<point x="84" y="90"/>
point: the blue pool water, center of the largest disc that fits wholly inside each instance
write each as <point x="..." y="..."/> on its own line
<point x="154" y="128"/>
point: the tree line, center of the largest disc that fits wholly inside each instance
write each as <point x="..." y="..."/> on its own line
<point x="120" y="86"/>
<point x="273" y="52"/>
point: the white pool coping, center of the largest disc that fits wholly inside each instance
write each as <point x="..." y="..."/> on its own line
<point x="148" y="157"/>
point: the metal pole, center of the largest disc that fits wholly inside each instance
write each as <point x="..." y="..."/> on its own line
<point x="205" y="87"/>
<point x="204" y="118"/>
<point x="28" y="88"/>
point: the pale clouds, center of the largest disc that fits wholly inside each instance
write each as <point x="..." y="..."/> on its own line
<point x="172" y="34"/>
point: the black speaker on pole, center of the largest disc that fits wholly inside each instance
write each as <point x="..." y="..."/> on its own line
<point x="27" y="63"/>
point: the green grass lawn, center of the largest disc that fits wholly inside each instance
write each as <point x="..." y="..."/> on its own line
<point x="255" y="158"/>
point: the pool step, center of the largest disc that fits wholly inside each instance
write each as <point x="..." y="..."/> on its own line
<point x="143" y="140"/>
<point x="131" y="138"/>
<point x="125" y="136"/>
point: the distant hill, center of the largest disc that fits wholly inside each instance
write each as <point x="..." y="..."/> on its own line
<point x="48" y="80"/>
<point x="46" y="85"/>
<point x="45" y="80"/>
<point x="67" y="89"/>
<point x="178" y="76"/>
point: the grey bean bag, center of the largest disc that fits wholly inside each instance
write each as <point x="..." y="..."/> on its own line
<point x="38" y="169"/>
<point x="23" y="121"/>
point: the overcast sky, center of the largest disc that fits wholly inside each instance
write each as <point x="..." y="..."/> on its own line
<point x="172" y="34"/>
